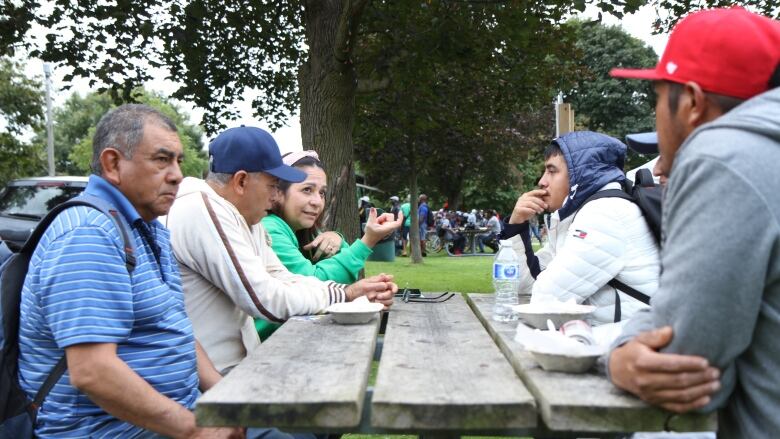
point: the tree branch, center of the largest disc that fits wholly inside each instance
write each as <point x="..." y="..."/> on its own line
<point x="347" y="29"/>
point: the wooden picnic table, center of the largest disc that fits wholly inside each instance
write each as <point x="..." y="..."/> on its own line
<point x="444" y="369"/>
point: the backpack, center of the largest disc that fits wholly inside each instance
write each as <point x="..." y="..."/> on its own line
<point x="646" y="194"/>
<point x="17" y="412"/>
<point x="429" y="218"/>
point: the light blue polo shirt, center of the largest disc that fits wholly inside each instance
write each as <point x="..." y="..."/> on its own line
<point x="78" y="290"/>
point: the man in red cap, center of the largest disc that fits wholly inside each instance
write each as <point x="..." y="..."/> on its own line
<point x="709" y="340"/>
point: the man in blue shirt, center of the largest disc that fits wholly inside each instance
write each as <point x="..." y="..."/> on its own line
<point x="133" y="365"/>
<point x="422" y="220"/>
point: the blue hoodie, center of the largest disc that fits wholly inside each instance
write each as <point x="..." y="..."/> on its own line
<point x="593" y="160"/>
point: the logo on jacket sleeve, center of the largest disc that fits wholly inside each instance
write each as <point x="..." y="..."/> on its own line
<point x="580" y="234"/>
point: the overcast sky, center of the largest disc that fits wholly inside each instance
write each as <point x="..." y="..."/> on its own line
<point x="289" y="137"/>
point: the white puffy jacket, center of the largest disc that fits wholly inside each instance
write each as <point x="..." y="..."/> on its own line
<point x="607" y="238"/>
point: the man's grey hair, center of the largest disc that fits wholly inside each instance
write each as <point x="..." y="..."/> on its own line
<point x="219" y="178"/>
<point x="123" y="129"/>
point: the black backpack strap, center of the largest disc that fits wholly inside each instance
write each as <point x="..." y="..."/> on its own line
<point x="608" y="193"/>
<point x="89" y="201"/>
<point x="120" y="222"/>
<point x="636" y="294"/>
<point x="48" y="384"/>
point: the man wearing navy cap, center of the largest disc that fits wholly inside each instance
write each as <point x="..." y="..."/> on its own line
<point x="229" y="271"/>
<point x="709" y="340"/>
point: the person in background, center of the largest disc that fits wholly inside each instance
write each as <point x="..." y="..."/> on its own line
<point x="395" y="210"/>
<point x="452" y="236"/>
<point x="395" y="206"/>
<point x="489" y="238"/>
<point x="406" y="209"/>
<point x="471" y="219"/>
<point x="422" y="219"/>
<point x="364" y="205"/>
<point x="533" y="225"/>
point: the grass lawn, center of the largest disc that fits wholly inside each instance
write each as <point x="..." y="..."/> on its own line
<point x="439" y="272"/>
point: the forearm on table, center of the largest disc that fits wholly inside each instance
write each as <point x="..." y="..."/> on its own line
<point x="109" y="382"/>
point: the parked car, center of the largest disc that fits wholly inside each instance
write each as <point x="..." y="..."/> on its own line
<point x="24" y="202"/>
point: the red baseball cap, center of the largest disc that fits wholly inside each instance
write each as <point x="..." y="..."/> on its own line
<point x="727" y="51"/>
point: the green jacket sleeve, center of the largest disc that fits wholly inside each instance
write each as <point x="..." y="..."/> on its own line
<point x="343" y="267"/>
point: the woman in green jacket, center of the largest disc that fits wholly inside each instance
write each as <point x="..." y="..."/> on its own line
<point x="295" y="229"/>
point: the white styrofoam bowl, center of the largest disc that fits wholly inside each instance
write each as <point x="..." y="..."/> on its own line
<point x="536" y="314"/>
<point x="568" y="362"/>
<point x="354" y="313"/>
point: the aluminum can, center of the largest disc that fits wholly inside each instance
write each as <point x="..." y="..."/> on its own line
<point x="579" y="330"/>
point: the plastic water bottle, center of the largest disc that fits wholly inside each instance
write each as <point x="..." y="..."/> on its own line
<point x="506" y="282"/>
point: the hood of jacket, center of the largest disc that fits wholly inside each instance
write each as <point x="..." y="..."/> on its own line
<point x="593" y="160"/>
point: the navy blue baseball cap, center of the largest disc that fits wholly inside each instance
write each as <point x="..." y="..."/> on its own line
<point x="250" y="149"/>
<point x="643" y="143"/>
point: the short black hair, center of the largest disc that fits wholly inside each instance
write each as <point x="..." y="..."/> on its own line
<point x="552" y="150"/>
<point x="774" y="80"/>
<point x="725" y="103"/>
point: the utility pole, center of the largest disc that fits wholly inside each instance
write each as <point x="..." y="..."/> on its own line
<point x="564" y="117"/>
<point x="49" y="130"/>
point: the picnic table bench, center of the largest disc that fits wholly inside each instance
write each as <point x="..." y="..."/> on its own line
<point x="444" y="369"/>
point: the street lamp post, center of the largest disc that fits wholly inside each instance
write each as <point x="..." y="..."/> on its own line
<point x="49" y="129"/>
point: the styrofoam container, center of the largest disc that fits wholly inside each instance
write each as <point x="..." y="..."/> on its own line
<point x="352" y="313"/>
<point x="536" y="314"/>
<point x="568" y="362"/>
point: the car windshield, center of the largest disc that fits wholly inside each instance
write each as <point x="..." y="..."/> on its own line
<point x="35" y="201"/>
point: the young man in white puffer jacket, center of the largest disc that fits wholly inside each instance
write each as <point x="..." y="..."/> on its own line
<point x="589" y="244"/>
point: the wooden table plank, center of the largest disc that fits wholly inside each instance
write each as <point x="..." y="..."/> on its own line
<point x="580" y="402"/>
<point x="440" y="370"/>
<point x="311" y="374"/>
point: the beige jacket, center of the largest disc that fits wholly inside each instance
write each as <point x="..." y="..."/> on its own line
<point x="230" y="274"/>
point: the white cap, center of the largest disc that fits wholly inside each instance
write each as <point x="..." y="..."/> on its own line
<point x="364" y="198"/>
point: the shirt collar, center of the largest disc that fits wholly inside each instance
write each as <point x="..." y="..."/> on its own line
<point x="99" y="187"/>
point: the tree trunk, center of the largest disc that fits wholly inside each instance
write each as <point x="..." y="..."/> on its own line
<point x="327" y="83"/>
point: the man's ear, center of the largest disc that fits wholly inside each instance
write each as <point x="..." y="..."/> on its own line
<point x="239" y="182"/>
<point x="696" y="104"/>
<point x="110" y="159"/>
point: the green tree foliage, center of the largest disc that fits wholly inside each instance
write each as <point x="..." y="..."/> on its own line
<point x="669" y="12"/>
<point x="460" y="116"/>
<point x="79" y="116"/>
<point x="608" y="105"/>
<point x="601" y="103"/>
<point x="21" y="110"/>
